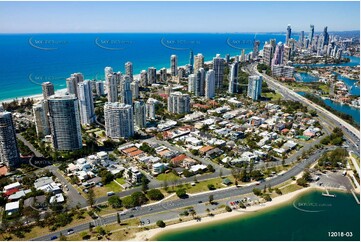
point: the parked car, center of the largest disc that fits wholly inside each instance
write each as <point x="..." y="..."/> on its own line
<point x="70" y="231"/>
<point x="54" y="237"/>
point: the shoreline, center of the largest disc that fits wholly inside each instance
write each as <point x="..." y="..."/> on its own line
<point x="154" y="233"/>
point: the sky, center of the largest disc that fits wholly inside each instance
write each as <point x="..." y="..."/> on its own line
<point x="171" y="17"/>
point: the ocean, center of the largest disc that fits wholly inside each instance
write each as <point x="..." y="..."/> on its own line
<point x="310" y="216"/>
<point x="27" y="60"/>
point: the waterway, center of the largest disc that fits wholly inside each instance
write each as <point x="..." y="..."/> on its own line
<point x="310" y="216"/>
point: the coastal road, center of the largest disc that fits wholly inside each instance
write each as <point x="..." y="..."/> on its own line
<point x="193" y="200"/>
<point x="28" y="144"/>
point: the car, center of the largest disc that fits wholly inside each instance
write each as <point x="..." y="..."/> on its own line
<point x="85" y="190"/>
<point x="111" y="193"/>
<point x="199" y="201"/>
<point x="70" y="231"/>
<point x="53" y="237"/>
<point x="150" y="209"/>
<point x="131" y="216"/>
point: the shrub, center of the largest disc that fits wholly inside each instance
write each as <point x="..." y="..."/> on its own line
<point x="160" y="224"/>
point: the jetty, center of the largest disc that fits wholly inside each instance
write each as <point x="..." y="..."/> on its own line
<point x="327" y="194"/>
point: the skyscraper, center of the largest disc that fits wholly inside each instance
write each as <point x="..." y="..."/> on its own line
<point x="150" y="108"/>
<point x="210" y="84"/>
<point x="140" y="114"/>
<point x="254" y="87"/>
<point x="163" y="75"/>
<point x="302" y="39"/>
<point x="192" y="83"/>
<point x="325" y="36"/>
<point x="233" y="77"/>
<point x="243" y="56"/>
<point x="288" y="34"/>
<point x="107" y="70"/>
<point x="48" y="89"/>
<point x="201" y="75"/>
<point x="64" y="122"/>
<point x="129" y="70"/>
<point x="112" y="87"/>
<point x="267" y="54"/>
<point x="152" y="75"/>
<point x="72" y="83"/>
<point x="218" y="67"/>
<point x="86" y="104"/>
<point x="191" y="61"/>
<point x="9" y="154"/>
<point x="143" y="78"/>
<point x="119" y="121"/>
<point x="40" y="111"/>
<point x="278" y="55"/>
<point x="178" y="103"/>
<point x="99" y="86"/>
<point x="255" y="49"/>
<point x="135" y="89"/>
<point x="286" y="54"/>
<point x="125" y="91"/>
<point x="198" y="62"/>
<point x="311" y="34"/>
<point x="173" y="65"/>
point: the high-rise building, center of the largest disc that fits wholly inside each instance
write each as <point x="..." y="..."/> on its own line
<point x="181" y="72"/>
<point x="173" y="65"/>
<point x="72" y="83"/>
<point x="311" y="34"/>
<point x="198" y="62"/>
<point x="210" y="84"/>
<point x="278" y="55"/>
<point x="277" y="70"/>
<point x="135" y="89"/>
<point x="86" y="104"/>
<point x="129" y="70"/>
<point x="201" y="75"/>
<point x="119" y="121"/>
<point x="243" y="56"/>
<point x="233" y="77"/>
<point x="254" y="87"/>
<point x="150" y="108"/>
<point x="272" y="42"/>
<point x="163" y="75"/>
<point x="218" y="67"/>
<point x="227" y="58"/>
<point x="99" y="86"/>
<point x="302" y="39"/>
<point x="152" y="75"/>
<point x="286" y="54"/>
<point x="191" y="62"/>
<point x="267" y="54"/>
<point x="255" y="49"/>
<point x="140" y="114"/>
<point x="288" y="71"/>
<point x="325" y="36"/>
<point x="40" y="111"/>
<point x="64" y="120"/>
<point x="192" y="83"/>
<point x="107" y="70"/>
<point x="288" y="34"/>
<point x="178" y="103"/>
<point x="143" y="78"/>
<point x="125" y="92"/>
<point x="48" y="89"/>
<point x="112" y="87"/>
<point x="9" y="153"/>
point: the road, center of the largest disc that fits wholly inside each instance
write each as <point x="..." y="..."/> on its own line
<point x="351" y="133"/>
<point x="193" y="200"/>
<point x="28" y="144"/>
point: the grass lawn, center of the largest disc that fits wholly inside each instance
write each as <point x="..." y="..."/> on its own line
<point x="356" y="158"/>
<point x="102" y="191"/>
<point x="169" y="177"/>
<point x="120" y="180"/>
<point x="290" y="188"/>
<point x="273" y="96"/>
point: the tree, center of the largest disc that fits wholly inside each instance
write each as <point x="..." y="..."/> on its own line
<point x="118" y="218"/>
<point x="91" y="197"/>
<point x="145" y="182"/>
<point x="165" y="185"/>
<point x="128" y="202"/>
<point x="160" y="223"/>
<point x="257" y="191"/>
<point x="306" y="175"/>
<point x="211" y="199"/>
<point x="210" y="168"/>
<point x="84" y="235"/>
<point x="90" y="227"/>
<point x="220" y="173"/>
<point x="181" y="193"/>
<point x="278" y="191"/>
<point x="228" y="209"/>
<point x="62" y="237"/>
<point x="139" y="198"/>
<point x="155" y="194"/>
<point x="302" y="182"/>
<point x="211" y="187"/>
<point x="115" y="202"/>
<point x="267" y="197"/>
<point x="100" y="230"/>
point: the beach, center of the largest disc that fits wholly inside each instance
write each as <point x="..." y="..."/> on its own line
<point x="151" y="234"/>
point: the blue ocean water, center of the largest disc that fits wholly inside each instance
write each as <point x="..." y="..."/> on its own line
<point x="27" y="60"/>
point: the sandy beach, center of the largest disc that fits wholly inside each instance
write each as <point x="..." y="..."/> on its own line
<point x="151" y="234"/>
